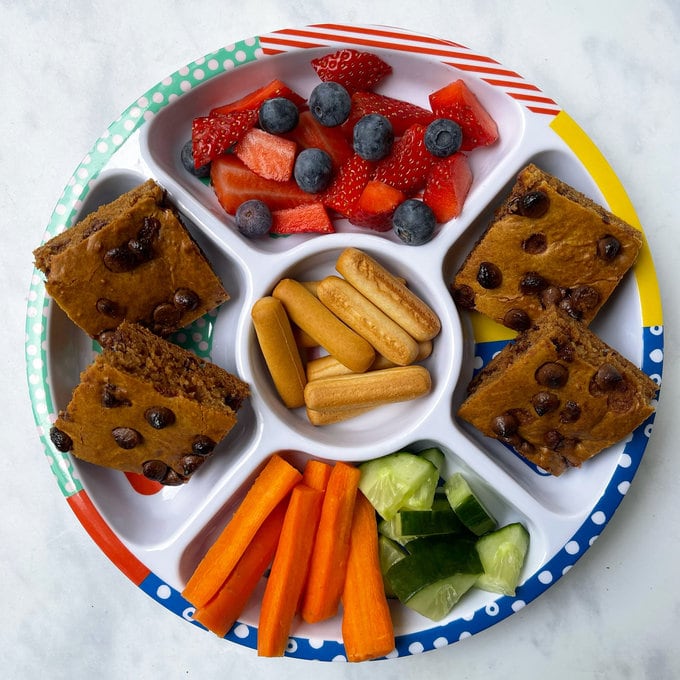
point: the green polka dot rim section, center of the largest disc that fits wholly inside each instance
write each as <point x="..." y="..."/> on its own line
<point x="197" y="336"/>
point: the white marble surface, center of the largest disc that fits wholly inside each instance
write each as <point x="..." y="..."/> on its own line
<point x="67" y="72"/>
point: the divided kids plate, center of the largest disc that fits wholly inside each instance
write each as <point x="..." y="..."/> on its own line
<point x="157" y="539"/>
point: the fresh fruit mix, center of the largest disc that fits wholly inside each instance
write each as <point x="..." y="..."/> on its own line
<point x="347" y="150"/>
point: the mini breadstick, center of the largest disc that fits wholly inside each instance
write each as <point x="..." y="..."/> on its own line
<point x="373" y="388"/>
<point x="388" y="294"/>
<point x="303" y="340"/>
<point x="362" y="316"/>
<point x="313" y="317"/>
<point x="335" y="415"/>
<point x="327" y="366"/>
<point x="275" y="337"/>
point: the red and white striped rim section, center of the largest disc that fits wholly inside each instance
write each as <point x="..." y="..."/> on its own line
<point x="449" y="53"/>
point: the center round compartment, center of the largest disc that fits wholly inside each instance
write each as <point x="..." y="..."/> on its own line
<point x="382" y="428"/>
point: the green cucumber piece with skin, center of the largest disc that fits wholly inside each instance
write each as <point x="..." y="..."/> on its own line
<point x="422" y="498"/>
<point x="435" y="455"/>
<point x="432" y="559"/>
<point x="438" y="520"/>
<point x="502" y="554"/>
<point x="390" y="552"/>
<point x="390" y="481"/>
<point x="436" y="600"/>
<point x="467" y="506"/>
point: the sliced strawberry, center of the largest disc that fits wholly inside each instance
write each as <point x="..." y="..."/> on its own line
<point x="457" y="102"/>
<point x="401" y="114"/>
<point x="302" y="219"/>
<point x="408" y="163"/>
<point x="347" y="185"/>
<point x="447" y="186"/>
<point x="269" y="156"/>
<point x="309" y="134"/>
<point x="376" y="205"/>
<point x="354" y="70"/>
<point x="275" y="88"/>
<point x="234" y="183"/>
<point x="212" y="136"/>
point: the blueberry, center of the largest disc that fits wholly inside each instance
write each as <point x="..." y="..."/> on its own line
<point x="312" y="170"/>
<point x="253" y="218"/>
<point x="187" y="157"/>
<point x="278" y="115"/>
<point x="414" y="222"/>
<point x="330" y="103"/>
<point x="443" y="137"/>
<point x="373" y="136"/>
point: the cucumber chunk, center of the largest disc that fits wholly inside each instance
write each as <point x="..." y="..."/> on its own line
<point x="438" y="520"/>
<point x="390" y="552"/>
<point x="502" y="554"/>
<point x="390" y="481"/>
<point x="435" y="455"/>
<point x="467" y="506"/>
<point x="436" y="600"/>
<point x="432" y="559"/>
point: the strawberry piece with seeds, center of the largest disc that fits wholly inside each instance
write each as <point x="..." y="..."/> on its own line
<point x="301" y="219"/>
<point x="353" y="69"/>
<point x="211" y="136"/>
<point x="235" y="183"/>
<point x="447" y="186"/>
<point x="457" y="102"/>
<point x="310" y="134"/>
<point x="401" y="114"/>
<point x="346" y="187"/>
<point x="269" y="156"/>
<point x="407" y="165"/>
<point x="275" y="88"/>
<point x="376" y="205"/>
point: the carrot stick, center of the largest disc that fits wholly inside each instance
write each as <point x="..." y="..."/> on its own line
<point x="270" y="487"/>
<point x="328" y="565"/>
<point x="316" y="474"/>
<point x="221" y="612"/>
<point x="288" y="572"/>
<point x="367" y="629"/>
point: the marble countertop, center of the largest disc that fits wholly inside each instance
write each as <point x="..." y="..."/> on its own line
<point x="69" y="71"/>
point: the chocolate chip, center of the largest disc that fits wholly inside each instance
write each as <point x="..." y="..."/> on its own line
<point x="159" y="417"/>
<point x="173" y="478"/>
<point x="532" y="283"/>
<point x="533" y="204"/>
<point x="464" y="296"/>
<point x="535" y="244"/>
<point x="567" y="306"/>
<point x="607" y="377"/>
<point x="154" y="469"/>
<point x="489" y="276"/>
<point x="60" y="439"/>
<point x="553" y="439"/>
<point x="544" y="402"/>
<point x="608" y="247"/>
<point x="202" y="445"/>
<point x="141" y="249"/>
<point x="108" y="308"/>
<point x="570" y="413"/>
<point x="584" y="298"/>
<point x="126" y="437"/>
<point x="551" y="374"/>
<point x="517" y="319"/>
<point x="149" y="229"/>
<point x="120" y="260"/>
<point x="185" y="298"/>
<point x="505" y="425"/>
<point x="112" y="397"/>
<point x="190" y="463"/>
<point x="551" y="296"/>
<point x="166" y="315"/>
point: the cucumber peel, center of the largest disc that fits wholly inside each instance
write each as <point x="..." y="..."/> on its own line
<point x="467" y="505"/>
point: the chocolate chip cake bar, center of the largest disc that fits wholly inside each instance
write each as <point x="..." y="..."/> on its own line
<point x="131" y="259"/>
<point x="547" y="244"/>
<point x="148" y="406"/>
<point x="558" y="394"/>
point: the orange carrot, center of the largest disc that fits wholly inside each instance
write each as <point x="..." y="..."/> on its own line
<point x="222" y="611"/>
<point x="288" y="571"/>
<point x="272" y="485"/>
<point x="328" y="565"/>
<point x="367" y="629"/>
<point x="316" y="474"/>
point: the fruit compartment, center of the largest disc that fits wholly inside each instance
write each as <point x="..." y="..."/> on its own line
<point x="414" y="78"/>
